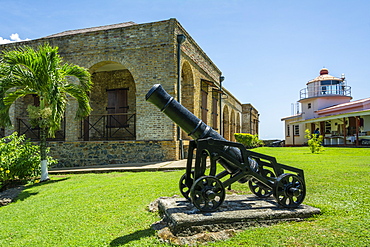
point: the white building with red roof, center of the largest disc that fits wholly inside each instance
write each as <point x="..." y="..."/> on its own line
<point x="326" y="106"/>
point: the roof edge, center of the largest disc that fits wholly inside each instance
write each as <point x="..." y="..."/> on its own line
<point x="91" y="29"/>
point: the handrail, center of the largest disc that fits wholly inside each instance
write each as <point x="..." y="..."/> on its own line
<point x="115" y="126"/>
<point x="324" y="91"/>
<point x="33" y="133"/>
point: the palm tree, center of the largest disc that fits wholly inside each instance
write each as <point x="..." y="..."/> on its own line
<point x="42" y="73"/>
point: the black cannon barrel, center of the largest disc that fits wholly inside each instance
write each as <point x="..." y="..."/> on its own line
<point x="187" y="121"/>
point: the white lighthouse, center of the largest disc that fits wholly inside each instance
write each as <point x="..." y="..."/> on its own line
<point x="322" y="92"/>
<point x="326" y="106"/>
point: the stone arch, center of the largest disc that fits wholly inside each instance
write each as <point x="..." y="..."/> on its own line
<point x="232" y="125"/>
<point x="101" y="60"/>
<point x="187" y="90"/>
<point x="187" y="86"/>
<point x="226" y="123"/>
<point x="113" y="99"/>
<point x="108" y="62"/>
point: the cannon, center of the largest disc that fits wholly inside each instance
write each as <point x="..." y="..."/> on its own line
<point x="230" y="162"/>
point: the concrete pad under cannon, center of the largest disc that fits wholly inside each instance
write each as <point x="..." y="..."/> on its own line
<point x="236" y="212"/>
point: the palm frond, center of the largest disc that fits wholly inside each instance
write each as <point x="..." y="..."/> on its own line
<point x="80" y="73"/>
<point x="78" y="92"/>
<point x="4" y="112"/>
<point x="42" y="72"/>
<point x="11" y="97"/>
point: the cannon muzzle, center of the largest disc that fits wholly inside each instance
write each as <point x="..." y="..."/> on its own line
<point x="187" y="121"/>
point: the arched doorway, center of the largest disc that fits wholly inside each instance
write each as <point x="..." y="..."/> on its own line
<point x="113" y="99"/>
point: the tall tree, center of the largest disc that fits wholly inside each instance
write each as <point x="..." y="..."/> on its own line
<point x="43" y="73"/>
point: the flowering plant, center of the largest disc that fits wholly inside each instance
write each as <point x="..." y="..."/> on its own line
<point x="19" y="159"/>
<point x="314" y="141"/>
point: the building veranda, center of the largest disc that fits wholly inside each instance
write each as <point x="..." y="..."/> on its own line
<point x="125" y="60"/>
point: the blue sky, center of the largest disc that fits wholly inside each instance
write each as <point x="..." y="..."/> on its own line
<point x="267" y="50"/>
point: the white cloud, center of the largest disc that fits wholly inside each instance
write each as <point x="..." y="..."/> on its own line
<point x="13" y="38"/>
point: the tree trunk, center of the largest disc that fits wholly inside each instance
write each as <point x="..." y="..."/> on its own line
<point x="44" y="162"/>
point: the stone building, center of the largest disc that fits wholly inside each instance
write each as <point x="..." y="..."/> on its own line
<point x="125" y="61"/>
<point x="250" y="119"/>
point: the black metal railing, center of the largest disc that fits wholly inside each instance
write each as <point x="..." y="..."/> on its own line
<point x="24" y="128"/>
<point x="119" y="126"/>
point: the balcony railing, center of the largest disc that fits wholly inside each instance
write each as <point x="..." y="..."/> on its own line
<point x="25" y="128"/>
<point x="119" y="126"/>
<point x="325" y="91"/>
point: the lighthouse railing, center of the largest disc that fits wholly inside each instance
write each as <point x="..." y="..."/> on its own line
<point x="325" y="91"/>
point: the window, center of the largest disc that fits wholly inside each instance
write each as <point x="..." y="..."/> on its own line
<point x="327" y="127"/>
<point x="117" y="108"/>
<point x="309" y="106"/>
<point x="330" y="82"/>
<point x="288" y="130"/>
<point x="214" y="109"/>
<point x="296" y="130"/>
<point x="331" y="87"/>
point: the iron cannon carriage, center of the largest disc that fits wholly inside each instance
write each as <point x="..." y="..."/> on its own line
<point x="264" y="175"/>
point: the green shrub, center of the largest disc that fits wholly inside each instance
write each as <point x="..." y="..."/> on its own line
<point x="314" y="141"/>
<point x="19" y="159"/>
<point x="248" y="140"/>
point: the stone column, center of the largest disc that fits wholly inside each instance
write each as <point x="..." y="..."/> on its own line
<point x="72" y="130"/>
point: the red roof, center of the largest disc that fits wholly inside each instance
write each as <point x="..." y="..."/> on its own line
<point x="357" y="105"/>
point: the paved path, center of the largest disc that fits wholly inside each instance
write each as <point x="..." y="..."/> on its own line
<point x="152" y="166"/>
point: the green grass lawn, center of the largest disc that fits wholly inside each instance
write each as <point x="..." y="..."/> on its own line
<point x="110" y="209"/>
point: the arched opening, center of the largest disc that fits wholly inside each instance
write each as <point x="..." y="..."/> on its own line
<point x="226" y="123"/>
<point x="113" y="99"/>
<point x="232" y="126"/>
<point x="187" y="91"/>
<point x="187" y="86"/>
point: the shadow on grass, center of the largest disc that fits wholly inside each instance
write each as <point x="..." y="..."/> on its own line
<point x="132" y="237"/>
<point x="51" y="181"/>
<point x="25" y="194"/>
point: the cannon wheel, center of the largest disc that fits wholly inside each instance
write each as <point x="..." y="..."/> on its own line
<point x="207" y="193"/>
<point x="184" y="188"/>
<point x="289" y="190"/>
<point x="261" y="191"/>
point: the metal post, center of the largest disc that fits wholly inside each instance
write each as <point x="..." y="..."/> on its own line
<point x="222" y="78"/>
<point x="180" y="39"/>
